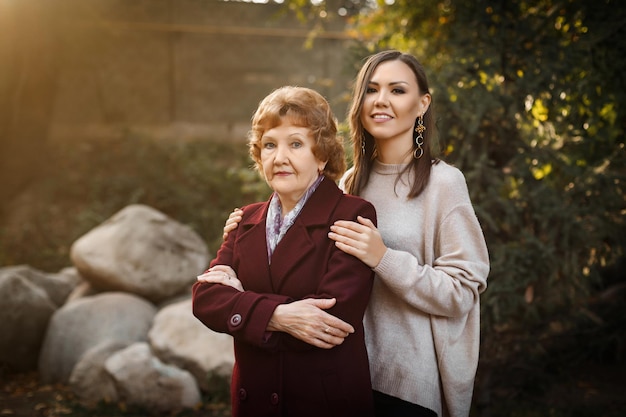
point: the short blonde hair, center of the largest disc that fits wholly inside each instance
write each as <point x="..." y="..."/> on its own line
<point x="306" y="108"/>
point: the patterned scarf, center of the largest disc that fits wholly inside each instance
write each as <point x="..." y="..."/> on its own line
<point x="275" y="225"/>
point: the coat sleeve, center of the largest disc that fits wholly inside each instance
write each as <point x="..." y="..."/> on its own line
<point x="243" y="315"/>
<point x="346" y="279"/>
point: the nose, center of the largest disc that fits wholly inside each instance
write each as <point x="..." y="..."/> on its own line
<point x="381" y="99"/>
<point x="280" y="156"/>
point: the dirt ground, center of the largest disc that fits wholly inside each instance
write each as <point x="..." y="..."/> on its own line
<point x="22" y="395"/>
<point x="583" y="390"/>
<point x="593" y="390"/>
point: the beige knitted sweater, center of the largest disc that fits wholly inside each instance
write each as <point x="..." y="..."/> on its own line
<point x="422" y="325"/>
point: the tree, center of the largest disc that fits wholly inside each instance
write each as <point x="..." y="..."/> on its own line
<point x="531" y="99"/>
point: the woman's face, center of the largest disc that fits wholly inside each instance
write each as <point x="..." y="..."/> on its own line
<point x="392" y="103"/>
<point x="289" y="166"/>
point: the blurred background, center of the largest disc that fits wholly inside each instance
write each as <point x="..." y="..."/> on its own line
<point x="105" y="103"/>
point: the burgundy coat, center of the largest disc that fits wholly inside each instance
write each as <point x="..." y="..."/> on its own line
<point x="276" y="374"/>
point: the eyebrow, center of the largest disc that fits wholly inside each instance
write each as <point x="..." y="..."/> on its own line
<point x="391" y="83"/>
<point x="290" y="136"/>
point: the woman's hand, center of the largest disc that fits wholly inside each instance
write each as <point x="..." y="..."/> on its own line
<point x="232" y="222"/>
<point x="306" y="320"/>
<point x="221" y="274"/>
<point x="360" y="239"/>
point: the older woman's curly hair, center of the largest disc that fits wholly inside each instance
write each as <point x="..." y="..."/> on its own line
<point x="303" y="107"/>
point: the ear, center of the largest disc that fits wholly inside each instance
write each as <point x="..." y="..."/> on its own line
<point x="321" y="165"/>
<point x="424" y="103"/>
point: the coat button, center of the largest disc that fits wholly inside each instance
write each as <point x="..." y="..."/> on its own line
<point x="242" y="394"/>
<point x="235" y="320"/>
<point x="274" y="399"/>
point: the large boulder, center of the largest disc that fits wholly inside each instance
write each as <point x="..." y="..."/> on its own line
<point x="178" y="337"/>
<point x="83" y="324"/>
<point x="26" y="310"/>
<point x="141" y="251"/>
<point x="57" y="286"/>
<point x="144" y="381"/>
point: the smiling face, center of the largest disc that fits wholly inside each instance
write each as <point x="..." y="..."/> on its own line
<point x="288" y="163"/>
<point x="391" y="104"/>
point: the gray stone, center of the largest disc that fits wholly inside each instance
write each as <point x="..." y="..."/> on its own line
<point x="57" y="286"/>
<point x="178" y="337"/>
<point x="87" y="322"/>
<point x="24" y="316"/>
<point x="143" y="380"/>
<point x="141" y="251"/>
<point x="89" y="381"/>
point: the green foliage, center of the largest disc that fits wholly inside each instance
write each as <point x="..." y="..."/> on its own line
<point x="530" y="99"/>
<point x="196" y="183"/>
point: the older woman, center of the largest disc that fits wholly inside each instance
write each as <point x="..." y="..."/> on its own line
<point x="279" y="266"/>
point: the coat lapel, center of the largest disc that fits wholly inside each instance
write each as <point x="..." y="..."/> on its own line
<point x="252" y="248"/>
<point x="297" y="242"/>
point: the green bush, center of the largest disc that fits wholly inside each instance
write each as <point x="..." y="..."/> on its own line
<point x="197" y="183"/>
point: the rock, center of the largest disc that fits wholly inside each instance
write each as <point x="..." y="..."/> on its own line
<point x="89" y="381"/>
<point x="24" y="316"/>
<point x="72" y="274"/>
<point x="84" y="289"/>
<point x="57" y="286"/>
<point x="178" y="337"/>
<point x="143" y="380"/>
<point x="141" y="251"/>
<point x="85" y="323"/>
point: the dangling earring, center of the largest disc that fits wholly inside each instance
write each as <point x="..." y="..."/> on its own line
<point x="363" y="146"/>
<point x="419" y="139"/>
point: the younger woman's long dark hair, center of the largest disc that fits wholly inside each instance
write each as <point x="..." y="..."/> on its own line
<point x="362" y="139"/>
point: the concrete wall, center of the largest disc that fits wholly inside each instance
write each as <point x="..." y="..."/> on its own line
<point x="185" y="68"/>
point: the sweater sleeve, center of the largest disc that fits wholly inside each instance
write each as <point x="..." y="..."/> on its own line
<point x="446" y="276"/>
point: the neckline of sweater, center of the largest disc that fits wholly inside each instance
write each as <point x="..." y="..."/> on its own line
<point x="388" y="169"/>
